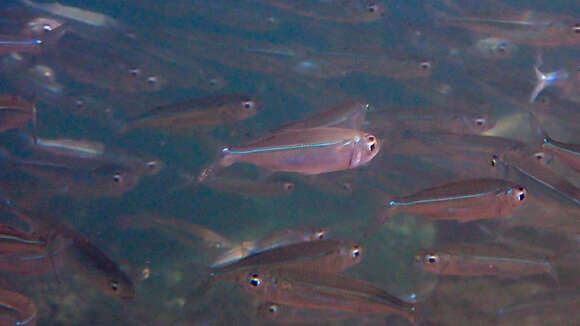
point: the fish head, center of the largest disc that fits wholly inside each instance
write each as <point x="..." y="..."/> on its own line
<point x="269" y="310"/>
<point x="117" y="285"/>
<point x="41" y="26"/>
<point x="369" y="11"/>
<point x="153" y="166"/>
<point x="515" y="196"/>
<point x="243" y="108"/>
<point x="430" y="261"/>
<point x="366" y="148"/>
<point x="478" y="124"/>
<point x="113" y="179"/>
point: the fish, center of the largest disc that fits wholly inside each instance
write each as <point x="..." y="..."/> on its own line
<point x="331" y="255"/>
<point x="495" y="48"/>
<point x="11" y="44"/>
<point x="321" y="290"/>
<point x="207" y="111"/>
<point x="341" y="11"/>
<point x="75" y="14"/>
<point x="480" y="260"/>
<point x="15" y="112"/>
<point x="270" y="241"/>
<point x="104" y="179"/>
<point x="307" y="151"/>
<point x="465" y="201"/>
<point x="520" y="27"/>
<point x="175" y="226"/>
<point x="349" y="113"/>
<point x="17" y="309"/>
<point x="94" y="264"/>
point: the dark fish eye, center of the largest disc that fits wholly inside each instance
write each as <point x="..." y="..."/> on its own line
<point x="135" y="72"/>
<point x="255" y="280"/>
<point x="248" y="104"/>
<point x="212" y="82"/>
<point x="576" y="28"/>
<point x="152" y="164"/>
<point x="521" y="196"/>
<point x="320" y="235"/>
<point x="47" y="28"/>
<point x="114" y="285"/>
<point x="117" y="177"/>
<point x="372" y="8"/>
<point x="493" y="161"/>
<point x="432" y="258"/>
<point x="539" y="156"/>
<point x="273" y="308"/>
<point x="346" y="186"/>
<point x="355" y="252"/>
<point x="425" y="65"/>
<point x="152" y="80"/>
<point x="79" y="104"/>
<point x="480" y="121"/>
<point x="288" y="186"/>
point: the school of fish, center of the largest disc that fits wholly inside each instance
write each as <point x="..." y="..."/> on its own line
<point x="303" y="162"/>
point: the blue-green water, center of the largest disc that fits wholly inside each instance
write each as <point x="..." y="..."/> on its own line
<point x="199" y="48"/>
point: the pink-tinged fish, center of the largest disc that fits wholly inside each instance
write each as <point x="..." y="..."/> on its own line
<point x="464" y="201"/>
<point x="15" y="112"/>
<point x="17" y="309"/>
<point x="342" y="11"/>
<point x="349" y="114"/>
<point x="482" y="260"/>
<point x="331" y="256"/>
<point x="307" y="151"/>
<point x="207" y="111"/>
<point x="93" y="263"/>
<point x="321" y="290"/>
<point x="523" y="27"/>
<point x="270" y="241"/>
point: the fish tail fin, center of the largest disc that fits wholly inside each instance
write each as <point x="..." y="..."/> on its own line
<point x="541" y="83"/>
<point x="212" y="170"/>
<point x="553" y="272"/>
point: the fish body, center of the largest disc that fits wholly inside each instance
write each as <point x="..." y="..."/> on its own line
<point x="479" y="260"/>
<point x="307" y="151"/>
<point x="324" y="291"/>
<point x="465" y="200"/>
<point x="341" y="11"/>
<point x="569" y="153"/>
<point x="330" y="255"/>
<point x="207" y="111"/>
<point x="73" y="13"/>
<point x="17" y="309"/>
<point x="15" y="112"/>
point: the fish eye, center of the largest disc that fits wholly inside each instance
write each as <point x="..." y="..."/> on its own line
<point x="288" y="186"/>
<point x="480" y="121"/>
<point x="371" y="141"/>
<point x="346" y="186"/>
<point x="212" y="82"/>
<point x="114" y="285"/>
<point x="135" y="72"/>
<point x="539" y="155"/>
<point x="493" y="161"/>
<point x="79" y="104"/>
<point x="152" y="80"/>
<point x="248" y="104"/>
<point x="152" y="164"/>
<point x="355" y="252"/>
<point x="273" y="308"/>
<point x="425" y="65"/>
<point x="576" y="28"/>
<point x="47" y="28"/>
<point x="373" y="8"/>
<point x="117" y="177"/>
<point x="431" y="258"/>
<point x="319" y="234"/>
<point x="255" y="280"/>
<point x="521" y="194"/>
